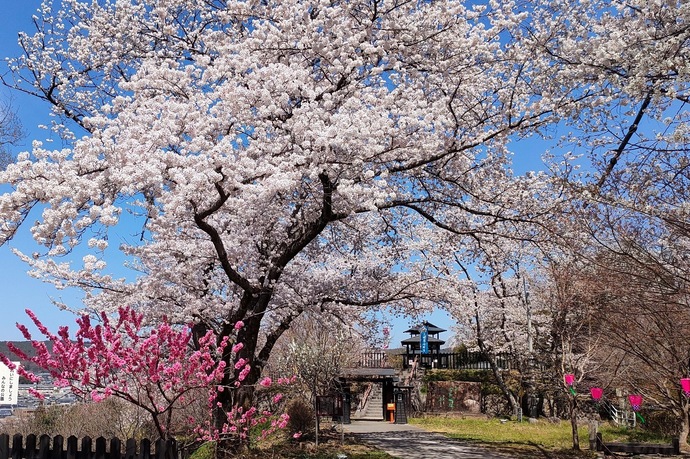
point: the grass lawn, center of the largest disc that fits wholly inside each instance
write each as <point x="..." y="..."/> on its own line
<point x="553" y="440"/>
<point x="550" y="439"/>
<point x="279" y="447"/>
<point x="518" y="440"/>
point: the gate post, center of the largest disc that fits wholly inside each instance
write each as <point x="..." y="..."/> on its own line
<point x="347" y="398"/>
<point x="400" y="411"/>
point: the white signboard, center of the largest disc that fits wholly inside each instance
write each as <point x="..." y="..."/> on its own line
<point x="9" y="384"/>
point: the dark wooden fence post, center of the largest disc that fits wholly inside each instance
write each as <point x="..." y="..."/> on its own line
<point x="145" y="449"/>
<point x="72" y="448"/>
<point x="4" y="446"/>
<point x="160" y="449"/>
<point x="100" y="448"/>
<point x="30" y="449"/>
<point x="86" y="448"/>
<point x="131" y="449"/>
<point x="43" y="447"/>
<point x="55" y="448"/>
<point x="16" y="447"/>
<point x="115" y="448"/>
<point x="56" y="452"/>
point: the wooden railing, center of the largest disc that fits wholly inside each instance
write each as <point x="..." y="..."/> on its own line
<point x="44" y="447"/>
<point x="458" y="361"/>
<point x="467" y="360"/>
<point x="672" y="449"/>
<point x="374" y="360"/>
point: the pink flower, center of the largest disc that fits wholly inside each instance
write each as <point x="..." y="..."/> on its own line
<point x="237" y="347"/>
<point x="297" y="435"/>
<point x="239" y="325"/>
<point x="277" y="398"/>
<point x="266" y="382"/>
<point x="243" y="374"/>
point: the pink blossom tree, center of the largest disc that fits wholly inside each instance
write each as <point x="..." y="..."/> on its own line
<point x="153" y="367"/>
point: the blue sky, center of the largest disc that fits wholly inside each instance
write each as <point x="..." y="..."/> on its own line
<point x="18" y="291"/>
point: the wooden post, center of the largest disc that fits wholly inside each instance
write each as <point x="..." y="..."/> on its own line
<point x="115" y="448"/>
<point x="100" y="448"/>
<point x="58" y="442"/>
<point x="145" y="449"/>
<point x="131" y="449"/>
<point x="593" y="429"/>
<point x="4" y="446"/>
<point x="86" y="448"/>
<point x="72" y="447"/>
<point x="16" y="452"/>
<point x="44" y="447"/>
<point x="30" y="446"/>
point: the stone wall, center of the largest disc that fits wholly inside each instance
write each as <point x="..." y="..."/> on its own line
<point x="453" y="396"/>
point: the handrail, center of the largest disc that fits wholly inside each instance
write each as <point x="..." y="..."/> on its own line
<point x="365" y="397"/>
<point x="413" y="372"/>
<point x="620" y="417"/>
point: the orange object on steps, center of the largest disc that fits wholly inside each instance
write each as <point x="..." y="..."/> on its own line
<point x="391" y="411"/>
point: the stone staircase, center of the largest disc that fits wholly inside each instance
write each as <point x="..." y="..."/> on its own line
<point x="373" y="409"/>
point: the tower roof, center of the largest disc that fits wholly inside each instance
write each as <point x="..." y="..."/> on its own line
<point x="417" y="340"/>
<point x="430" y="327"/>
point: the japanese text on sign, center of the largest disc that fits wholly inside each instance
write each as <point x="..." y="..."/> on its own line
<point x="9" y="384"/>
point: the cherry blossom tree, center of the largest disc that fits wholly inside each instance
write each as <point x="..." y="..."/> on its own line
<point x="285" y="157"/>
<point x="274" y="154"/>
<point x="640" y="274"/>
<point x="491" y="306"/>
<point x="632" y="204"/>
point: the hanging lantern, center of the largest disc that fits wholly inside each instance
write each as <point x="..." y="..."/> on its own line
<point x="636" y="403"/>
<point x="597" y="393"/>
<point x="685" y="385"/>
<point x="570" y="382"/>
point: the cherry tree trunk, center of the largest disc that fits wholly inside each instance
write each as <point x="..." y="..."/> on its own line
<point x="573" y="422"/>
<point x="684" y="428"/>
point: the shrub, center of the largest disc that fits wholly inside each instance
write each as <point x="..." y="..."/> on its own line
<point x="205" y="451"/>
<point x="661" y="423"/>
<point x="301" y="417"/>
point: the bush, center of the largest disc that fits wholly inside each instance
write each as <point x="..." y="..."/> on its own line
<point x="301" y="416"/>
<point x="205" y="451"/>
<point x="662" y="423"/>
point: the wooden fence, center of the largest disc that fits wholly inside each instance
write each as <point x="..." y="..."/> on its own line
<point x="373" y="360"/>
<point x="459" y="361"/>
<point x="44" y="447"/>
<point x="466" y="360"/>
<point x="672" y="449"/>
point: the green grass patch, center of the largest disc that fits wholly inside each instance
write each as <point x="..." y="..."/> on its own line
<point x="330" y="447"/>
<point x="631" y="435"/>
<point x="205" y="451"/>
<point x="551" y="436"/>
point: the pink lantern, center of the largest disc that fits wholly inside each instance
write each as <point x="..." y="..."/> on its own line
<point x="685" y="385"/>
<point x="569" y="379"/>
<point x="597" y="393"/>
<point x="635" y="401"/>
